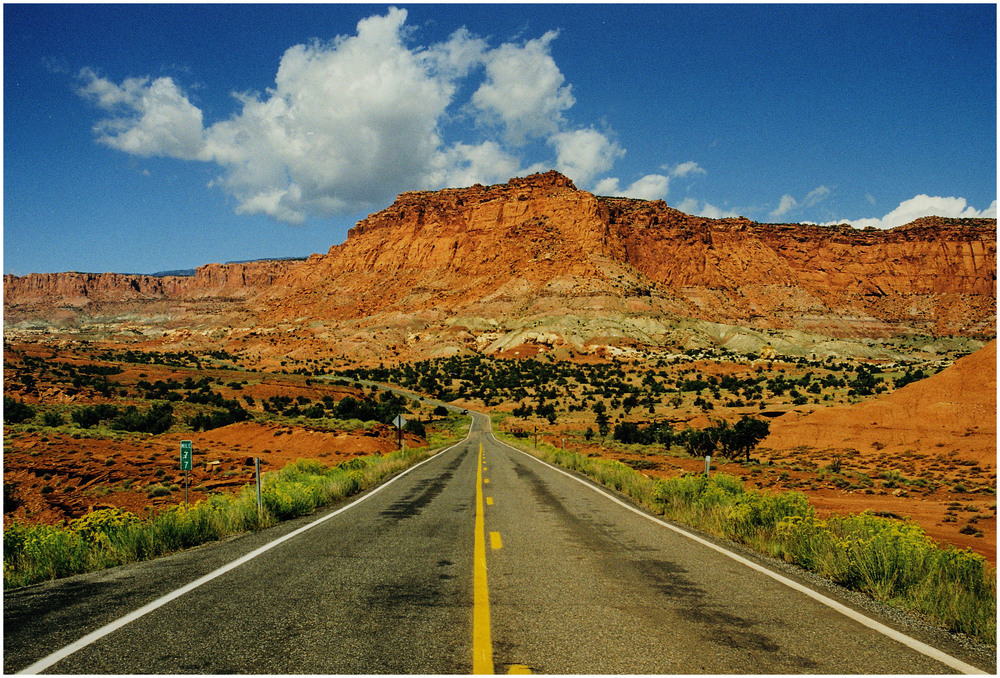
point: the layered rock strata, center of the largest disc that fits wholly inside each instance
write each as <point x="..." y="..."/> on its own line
<point x="538" y="247"/>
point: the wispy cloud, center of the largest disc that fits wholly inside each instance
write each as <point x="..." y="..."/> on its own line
<point x="816" y="196"/>
<point x="785" y="205"/>
<point x="684" y="169"/>
<point x="789" y="204"/>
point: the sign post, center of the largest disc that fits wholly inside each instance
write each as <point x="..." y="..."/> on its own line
<point x="256" y="470"/>
<point x="708" y="463"/>
<point x="187" y="454"/>
<point x="400" y="422"/>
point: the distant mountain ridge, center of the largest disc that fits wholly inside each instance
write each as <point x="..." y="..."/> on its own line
<point x="180" y="273"/>
<point x="463" y="264"/>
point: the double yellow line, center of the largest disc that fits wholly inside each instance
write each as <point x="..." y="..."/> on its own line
<point x="482" y="642"/>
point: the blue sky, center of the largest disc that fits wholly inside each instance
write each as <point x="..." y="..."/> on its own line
<point x="142" y="138"/>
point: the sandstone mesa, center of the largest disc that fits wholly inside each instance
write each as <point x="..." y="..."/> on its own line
<point x="485" y="268"/>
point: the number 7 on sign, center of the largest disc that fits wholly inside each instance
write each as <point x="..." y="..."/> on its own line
<point x="186" y="455"/>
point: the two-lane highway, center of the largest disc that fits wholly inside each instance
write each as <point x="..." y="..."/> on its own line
<point x="584" y="585"/>
<point x="384" y="586"/>
<point x="479" y="559"/>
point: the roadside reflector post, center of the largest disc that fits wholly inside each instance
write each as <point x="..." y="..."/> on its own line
<point x="536" y="437"/>
<point x="186" y="463"/>
<point x="400" y="422"/>
<point x="256" y="470"/>
<point x="708" y="463"/>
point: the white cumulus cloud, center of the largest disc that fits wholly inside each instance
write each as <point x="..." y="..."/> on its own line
<point x="343" y="121"/>
<point x="649" y="187"/>
<point x="923" y="206"/>
<point x="151" y="118"/>
<point x="583" y="153"/>
<point x="350" y="122"/>
<point x="484" y="163"/>
<point x="524" y="90"/>
<point x="704" y="209"/>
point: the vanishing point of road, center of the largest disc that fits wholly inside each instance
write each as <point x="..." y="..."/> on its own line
<point x="481" y="559"/>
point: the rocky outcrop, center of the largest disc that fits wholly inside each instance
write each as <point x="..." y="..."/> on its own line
<point x="538" y="247"/>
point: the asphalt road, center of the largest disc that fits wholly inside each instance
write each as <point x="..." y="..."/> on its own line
<point x="460" y="564"/>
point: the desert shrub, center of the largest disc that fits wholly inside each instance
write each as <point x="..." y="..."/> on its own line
<point x="416" y="427"/>
<point x="897" y="562"/>
<point x="53" y="419"/>
<point x="231" y="414"/>
<point x="16" y="411"/>
<point x="105" y="526"/>
<point x="315" y="411"/>
<point x="157" y="419"/>
<point x="384" y="410"/>
<point x="85" y="417"/>
<point x="157" y="491"/>
<point x="38" y="552"/>
<point x="753" y="517"/>
<point x="632" y="433"/>
<point x="89" y="416"/>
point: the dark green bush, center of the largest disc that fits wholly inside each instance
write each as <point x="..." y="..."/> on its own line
<point x="157" y="419"/>
<point x="53" y="419"/>
<point x="15" y="411"/>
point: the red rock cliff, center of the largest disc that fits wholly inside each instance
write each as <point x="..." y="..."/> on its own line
<point x="80" y="289"/>
<point x="538" y="245"/>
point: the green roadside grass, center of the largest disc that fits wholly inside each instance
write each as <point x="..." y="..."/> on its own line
<point x="892" y="561"/>
<point x="110" y="537"/>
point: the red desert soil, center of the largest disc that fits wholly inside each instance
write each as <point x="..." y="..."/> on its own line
<point x="939" y="432"/>
<point x="93" y="473"/>
<point x="953" y="412"/>
<point x="947" y="420"/>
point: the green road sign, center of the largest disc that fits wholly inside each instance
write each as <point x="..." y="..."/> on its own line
<point x="186" y="454"/>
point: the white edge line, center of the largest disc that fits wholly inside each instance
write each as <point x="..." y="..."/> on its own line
<point x="906" y="640"/>
<point x="111" y="627"/>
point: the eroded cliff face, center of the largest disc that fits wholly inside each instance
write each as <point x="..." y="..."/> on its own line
<point x="538" y="244"/>
<point x="81" y="289"/>
<point x="538" y="247"/>
<point x="936" y="274"/>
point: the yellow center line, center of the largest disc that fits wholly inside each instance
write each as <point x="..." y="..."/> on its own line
<point x="482" y="642"/>
<point x="489" y="501"/>
<point x="495" y="542"/>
